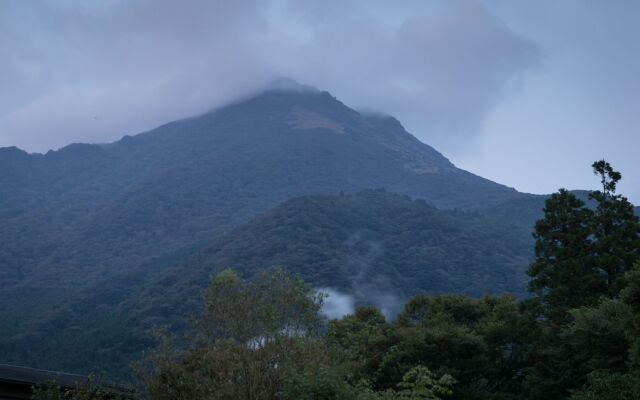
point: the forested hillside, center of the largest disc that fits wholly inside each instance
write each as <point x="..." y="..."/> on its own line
<point x="98" y="221"/>
<point x="378" y="246"/>
<point x="87" y="229"/>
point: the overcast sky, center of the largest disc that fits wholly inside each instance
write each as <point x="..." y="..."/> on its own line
<point x="526" y="93"/>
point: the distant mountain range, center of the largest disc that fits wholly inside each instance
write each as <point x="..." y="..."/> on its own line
<point x="100" y="241"/>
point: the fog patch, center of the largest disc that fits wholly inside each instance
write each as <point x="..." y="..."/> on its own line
<point x="337" y="304"/>
<point x="389" y="304"/>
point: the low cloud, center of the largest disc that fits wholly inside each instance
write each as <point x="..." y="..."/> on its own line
<point x="367" y="286"/>
<point x="82" y="71"/>
<point x="337" y="304"/>
<point x="440" y="72"/>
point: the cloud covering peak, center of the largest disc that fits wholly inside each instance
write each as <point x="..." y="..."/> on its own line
<point x="74" y="71"/>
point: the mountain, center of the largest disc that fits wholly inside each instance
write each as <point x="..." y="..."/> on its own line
<point x="84" y="227"/>
<point x="198" y="177"/>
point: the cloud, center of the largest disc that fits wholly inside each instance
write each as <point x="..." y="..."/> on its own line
<point x="82" y="71"/>
<point x="580" y="106"/>
<point x="368" y="284"/>
<point x="95" y="76"/>
<point x="440" y="73"/>
<point x="337" y="304"/>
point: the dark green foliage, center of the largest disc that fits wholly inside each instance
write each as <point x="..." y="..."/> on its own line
<point x="616" y="230"/>
<point x="479" y="342"/>
<point x="598" y="336"/>
<point x="380" y="246"/>
<point x="250" y="339"/>
<point x="563" y="275"/>
<point x="351" y="240"/>
<point x="604" y="385"/>
<point x="93" y="389"/>
<point x="260" y="340"/>
<point x="420" y="383"/>
<point x="363" y="340"/>
<point x="439" y="347"/>
<point x="584" y="258"/>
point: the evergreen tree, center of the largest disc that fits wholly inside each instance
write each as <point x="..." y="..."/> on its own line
<point x="562" y="274"/>
<point x="582" y="254"/>
<point x="615" y="230"/>
<point x="582" y="258"/>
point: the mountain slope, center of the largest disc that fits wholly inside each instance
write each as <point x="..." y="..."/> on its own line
<point x="371" y="244"/>
<point x="198" y="177"/>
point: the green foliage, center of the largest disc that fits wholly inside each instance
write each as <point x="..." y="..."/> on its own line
<point x="480" y="342"/>
<point x="260" y="339"/>
<point x="420" y="383"/>
<point x="368" y="242"/>
<point x="604" y="385"/>
<point x="316" y="382"/>
<point x="274" y="305"/>
<point x="615" y="229"/>
<point x="598" y="336"/>
<point x="630" y="296"/>
<point x="582" y="254"/>
<point x="586" y="288"/>
<point x="246" y="345"/>
<point x="363" y="340"/>
<point x="93" y="389"/>
<point x="563" y="274"/>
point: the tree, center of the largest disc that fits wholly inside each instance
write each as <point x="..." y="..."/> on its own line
<point x="605" y="340"/>
<point x="562" y="274"/>
<point x="583" y="256"/>
<point x="599" y="336"/>
<point x="615" y="230"/>
<point x="630" y="296"/>
<point x="362" y="341"/>
<point x="252" y="337"/>
<point x="479" y="342"/>
<point x="419" y="383"/>
<point x="604" y="385"/>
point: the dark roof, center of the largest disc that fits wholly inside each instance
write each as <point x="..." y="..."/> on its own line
<point x="28" y="376"/>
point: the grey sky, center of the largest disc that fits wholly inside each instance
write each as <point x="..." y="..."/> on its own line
<point x="525" y="93"/>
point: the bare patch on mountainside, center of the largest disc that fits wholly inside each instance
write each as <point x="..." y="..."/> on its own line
<point x="300" y="118"/>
